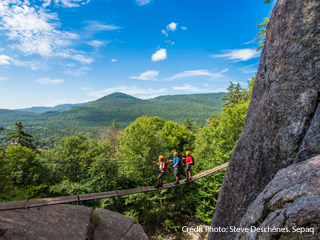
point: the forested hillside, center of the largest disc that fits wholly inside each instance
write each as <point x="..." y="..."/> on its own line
<point x="62" y="107"/>
<point x="92" y="118"/>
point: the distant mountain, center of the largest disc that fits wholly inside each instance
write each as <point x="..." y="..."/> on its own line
<point x="50" y="126"/>
<point x="62" y="107"/>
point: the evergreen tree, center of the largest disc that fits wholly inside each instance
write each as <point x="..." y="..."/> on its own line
<point x="188" y="124"/>
<point x="234" y="95"/>
<point x="260" y="37"/>
<point x="1" y="129"/>
<point x="21" y="137"/>
<point x="114" y="126"/>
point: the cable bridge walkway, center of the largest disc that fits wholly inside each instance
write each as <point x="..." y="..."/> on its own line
<point x="92" y="196"/>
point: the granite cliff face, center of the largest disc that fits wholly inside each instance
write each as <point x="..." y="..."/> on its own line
<point x="282" y="124"/>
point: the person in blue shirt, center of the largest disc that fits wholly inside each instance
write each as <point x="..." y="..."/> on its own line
<point x="176" y="162"/>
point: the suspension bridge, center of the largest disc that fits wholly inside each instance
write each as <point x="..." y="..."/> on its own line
<point x="31" y="203"/>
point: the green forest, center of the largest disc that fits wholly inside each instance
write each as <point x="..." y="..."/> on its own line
<point x="122" y="158"/>
<point x="94" y="118"/>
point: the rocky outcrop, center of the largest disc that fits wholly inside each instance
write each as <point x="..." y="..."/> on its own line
<point x="281" y="122"/>
<point x="113" y="225"/>
<point x="291" y="201"/>
<point x="66" y="222"/>
<point x="311" y="143"/>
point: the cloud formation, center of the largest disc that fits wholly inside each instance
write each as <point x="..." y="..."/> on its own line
<point x="195" y="89"/>
<point x="5" y="60"/>
<point x="96" y="43"/>
<point x="78" y="72"/>
<point x="239" y="54"/>
<point x="3" y="79"/>
<point x="66" y="3"/>
<point x="49" y="81"/>
<point x="114" y="60"/>
<point x="35" y="30"/>
<point x="148" y="75"/>
<point x="202" y="72"/>
<point x="95" y="26"/>
<point x="184" y="28"/>
<point x="159" y="55"/>
<point x="142" y="2"/>
<point x="172" y="26"/>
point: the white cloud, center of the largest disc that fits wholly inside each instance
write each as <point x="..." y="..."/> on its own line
<point x="32" y="64"/>
<point x="49" y="81"/>
<point x="249" y="69"/>
<point x="239" y="54"/>
<point x="114" y="60"/>
<point x="194" y="73"/>
<point x="195" y="89"/>
<point x="184" y="28"/>
<point x="133" y="90"/>
<point x="35" y="30"/>
<point x="168" y="41"/>
<point x="172" y="26"/>
<point x="78" y="72"/>
<point x="252" y="41"/>
<point x="5" y="60"/>
<point x="164" y="32"/>
<point x="66" y="3"/>
<point x="159" y="55"/>
<point x="96" y="43"/>
<point x="187" y="87"/>
<point x="148" y="75"/>
<point x="3" y="79"/>
<point x="95" y="26"/>
<point x="142" y="2"/>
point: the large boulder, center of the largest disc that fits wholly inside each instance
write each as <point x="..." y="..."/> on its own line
<point x="113" y="225"/>
<point x="48" y="223"/>
<point x="278" y="126"/>
<point x="291" y="201"/>
<point x="67" y="222"/>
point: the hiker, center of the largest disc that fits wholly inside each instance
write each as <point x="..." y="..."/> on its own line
<point x="189" y="162"/>
<point x="176" y="163"/>
<point x="162" y="167"/>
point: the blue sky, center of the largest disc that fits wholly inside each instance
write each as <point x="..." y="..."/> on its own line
<point x="72" y="51"/>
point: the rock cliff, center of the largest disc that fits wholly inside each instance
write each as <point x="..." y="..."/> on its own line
<point x="67" y="222"/>
<point x="290" y="204"/>
<point x="282" y="124"/>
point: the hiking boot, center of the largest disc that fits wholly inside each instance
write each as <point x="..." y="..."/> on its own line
<point x="176" y="183"/>
<point x="190" y="179"/>
<point x="156" y="186"/>
<point x="160" y="185"/>
<point x="187" y="180"/>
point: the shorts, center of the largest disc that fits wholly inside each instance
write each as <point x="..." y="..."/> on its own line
<point x="176" y="171"/>
<point x="161" y="172"/>
<point x="188" y="168"/>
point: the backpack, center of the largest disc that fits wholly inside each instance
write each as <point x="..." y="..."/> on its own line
<point x="192" y="160"/>
<point x="165" y="166"/>
<point x="180" y="162"/>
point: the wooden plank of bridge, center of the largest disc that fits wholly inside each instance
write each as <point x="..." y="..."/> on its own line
<point x="132" y="191"/>
<point x="51" y="201"/>
<point x="12" y="205"/>
<point x="93" y="196"/>
<point x="165" y="186"/>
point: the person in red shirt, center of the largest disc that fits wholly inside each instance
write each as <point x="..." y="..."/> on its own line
<point x="189" y="163"/>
